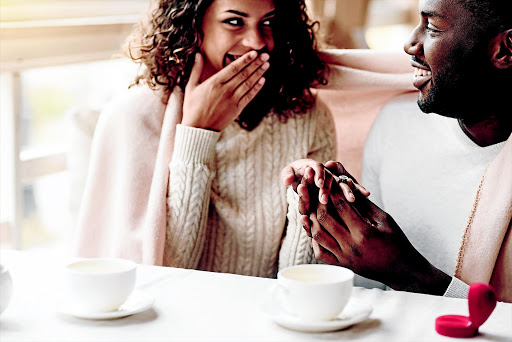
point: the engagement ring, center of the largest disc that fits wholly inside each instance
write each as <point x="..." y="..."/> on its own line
<point x="343" y="179"/>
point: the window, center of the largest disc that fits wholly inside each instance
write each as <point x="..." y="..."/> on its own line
<point x="59" y="62"/>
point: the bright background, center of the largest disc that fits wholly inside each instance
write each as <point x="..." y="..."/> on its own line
<point x="61" y="61"/>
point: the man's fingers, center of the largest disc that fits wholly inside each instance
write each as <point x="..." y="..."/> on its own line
<point x="348" y="214"/>
<point x="335" y="167"/>
<point x="334" y="226"/>
<point x="197" y="70"/>
<point x="322" y="236"/>
<point x="329" y="247"/>
<point x="306" y="224"/>
<point x="304" y="204"/>
<point x="323" y="254"/>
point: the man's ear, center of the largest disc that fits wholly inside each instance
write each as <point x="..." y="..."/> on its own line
<point x="501" y="50"/>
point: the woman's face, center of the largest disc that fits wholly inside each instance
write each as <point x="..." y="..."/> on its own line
<point x="232" y="28"/>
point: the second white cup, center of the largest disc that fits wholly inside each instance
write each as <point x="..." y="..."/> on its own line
<point x="314" y="292"/>
<point x="100" y="284"/>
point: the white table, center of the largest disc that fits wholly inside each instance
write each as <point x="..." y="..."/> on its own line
<point x="201" y="306"/>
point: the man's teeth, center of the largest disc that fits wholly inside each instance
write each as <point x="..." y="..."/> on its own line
<point x="422" y="72"/>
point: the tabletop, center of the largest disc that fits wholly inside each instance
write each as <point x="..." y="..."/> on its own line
<point x="192" y="305"/>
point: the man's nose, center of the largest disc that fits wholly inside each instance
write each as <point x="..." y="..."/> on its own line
<point x="413" y="45"/>
<point x="254" y="40"/>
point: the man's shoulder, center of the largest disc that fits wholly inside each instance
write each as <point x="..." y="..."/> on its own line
<point x="401" y="110"/>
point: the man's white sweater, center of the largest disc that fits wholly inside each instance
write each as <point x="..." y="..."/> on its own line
<point x="424" y="171"/>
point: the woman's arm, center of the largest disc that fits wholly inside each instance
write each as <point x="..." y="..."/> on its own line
<point x="367" y="70"/>
<point x="296" y="246"/>
<point x="191" y="175"/>
<point x="369" y="60"/>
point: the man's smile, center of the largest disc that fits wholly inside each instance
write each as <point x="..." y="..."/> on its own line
<point x="422" y="74"/>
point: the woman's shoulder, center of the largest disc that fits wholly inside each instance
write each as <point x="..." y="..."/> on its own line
<point x="136" y="101"/>
<point x="133" y="109"/>
<point x="320" y="111"/>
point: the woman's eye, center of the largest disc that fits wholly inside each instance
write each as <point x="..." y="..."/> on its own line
<point x="234" y="21"/>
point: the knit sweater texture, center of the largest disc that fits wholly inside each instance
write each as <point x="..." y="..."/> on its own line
<point x="424" y="171"/>
<point x="228" y="210"/>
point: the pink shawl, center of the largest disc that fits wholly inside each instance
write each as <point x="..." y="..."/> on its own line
<point x="123" y="211"/>
<point x="486" y="251"/>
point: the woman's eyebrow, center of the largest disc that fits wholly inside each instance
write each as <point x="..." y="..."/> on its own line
<point x="245" y="15"/>
<point x="242" y="14"/>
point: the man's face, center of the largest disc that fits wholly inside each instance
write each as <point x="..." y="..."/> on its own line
<point x="449" y="58"/>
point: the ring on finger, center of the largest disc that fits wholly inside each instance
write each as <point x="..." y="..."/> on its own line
<point x="343" y="179"/>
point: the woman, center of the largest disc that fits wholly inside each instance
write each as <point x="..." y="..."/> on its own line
<point x="193" y="180"/>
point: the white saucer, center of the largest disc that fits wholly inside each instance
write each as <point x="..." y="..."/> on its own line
<point x="355" y="312"/>
<point x="138" y="301"/>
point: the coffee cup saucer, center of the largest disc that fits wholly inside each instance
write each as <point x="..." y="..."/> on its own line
<point x="137" y="302"/>
<point x="355" y="312"/>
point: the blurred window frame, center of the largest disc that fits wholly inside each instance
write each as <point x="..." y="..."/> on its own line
<point x="44" y="33"/>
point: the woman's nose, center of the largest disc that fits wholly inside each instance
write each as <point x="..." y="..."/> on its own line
<point x="254" y="40"/>
<point x="413" y="45"/>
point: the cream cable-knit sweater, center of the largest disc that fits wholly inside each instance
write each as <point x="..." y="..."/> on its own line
<point x="228" y="210"/>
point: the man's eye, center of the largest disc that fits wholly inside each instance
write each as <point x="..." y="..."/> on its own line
<point x="268" y="22"/>
<point x="432" y="29"/>
<point x="234" y="21"/>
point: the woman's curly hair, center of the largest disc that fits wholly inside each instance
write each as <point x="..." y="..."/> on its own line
<point x="166" y="44"/>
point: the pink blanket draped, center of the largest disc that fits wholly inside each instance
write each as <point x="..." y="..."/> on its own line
<point x="486" y="251"/>
<point x="123" y="211"/>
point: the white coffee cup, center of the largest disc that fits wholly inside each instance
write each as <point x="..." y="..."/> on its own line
<point x="314" y="292"/>
<point x="99" y="284"/>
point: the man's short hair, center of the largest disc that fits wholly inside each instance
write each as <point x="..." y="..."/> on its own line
<point x="491" y="16"/>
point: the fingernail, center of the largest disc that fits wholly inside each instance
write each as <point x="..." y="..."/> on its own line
<point x="320" y="182"/>
<point x="323" y="199"/>
<point x="253" y="54"/>
<point x="265" y="66"/>
<point x="264" y="57"/>
<point x="351" y="195"/>
<point x="261" y="81"/>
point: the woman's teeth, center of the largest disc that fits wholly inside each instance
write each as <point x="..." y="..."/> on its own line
<point x="422" y="72"/>
<point x="233" y="57"/>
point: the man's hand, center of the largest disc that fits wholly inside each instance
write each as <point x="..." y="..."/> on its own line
<point x="364" y="238"/>
<point x="312" y="182"/>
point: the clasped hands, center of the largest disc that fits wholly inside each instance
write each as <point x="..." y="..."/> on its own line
<point x="349" y="230"/>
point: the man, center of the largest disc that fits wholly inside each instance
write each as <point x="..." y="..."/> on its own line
<point x="425" y="170"/>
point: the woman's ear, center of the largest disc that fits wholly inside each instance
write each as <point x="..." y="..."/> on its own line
<point x="501" y="50"/>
